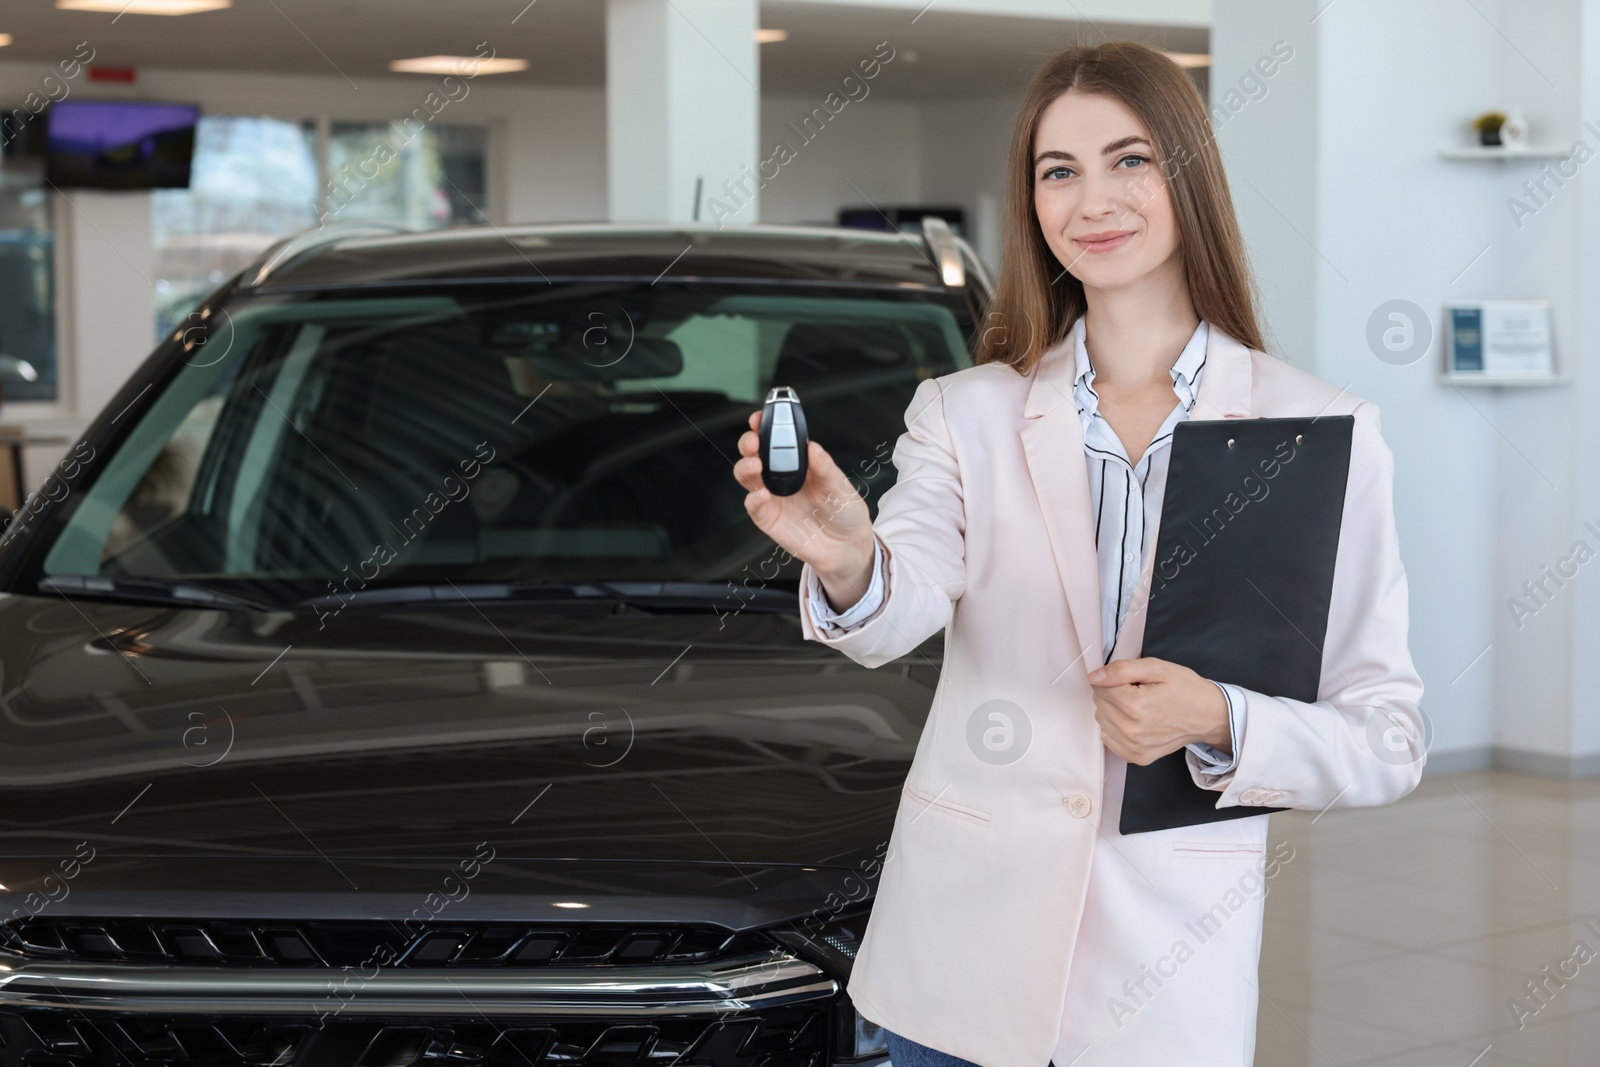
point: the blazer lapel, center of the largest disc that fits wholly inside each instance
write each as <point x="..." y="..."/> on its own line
<point x="1225" y="382"/>
<point x="1052" y="439"/>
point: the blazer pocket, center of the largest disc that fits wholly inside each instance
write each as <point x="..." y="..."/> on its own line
<point x="976" y="816"/>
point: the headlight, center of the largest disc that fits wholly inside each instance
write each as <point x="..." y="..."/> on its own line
<point x="829" y="940"/>
<point x="862" y="1040"/>
<point x="832" y="943"/>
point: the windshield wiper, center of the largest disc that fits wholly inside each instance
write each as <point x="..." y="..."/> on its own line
<point x="171" y="591"/>
<point x="709" y="597"/>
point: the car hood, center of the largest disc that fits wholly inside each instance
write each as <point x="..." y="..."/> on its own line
<point x="235" y="753"/>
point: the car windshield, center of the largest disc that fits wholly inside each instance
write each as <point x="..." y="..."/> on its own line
<point x="552" y="433"/>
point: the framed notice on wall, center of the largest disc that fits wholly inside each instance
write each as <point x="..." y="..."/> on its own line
<point x="1498" y="342"/>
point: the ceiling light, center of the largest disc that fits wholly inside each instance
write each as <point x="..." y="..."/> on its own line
<point x="570" y="904"/>
<point x="5" y="39"/>
<point x="144" y="7"/>
<point x="1190" y="59"/>
<point x="463" y="65"/>
<point x="771" y="36"/>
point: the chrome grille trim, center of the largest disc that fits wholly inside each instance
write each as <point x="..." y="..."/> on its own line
<point x="753" y="981"/>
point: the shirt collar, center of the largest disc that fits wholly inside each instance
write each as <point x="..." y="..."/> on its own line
<point x="1186" y="370"/>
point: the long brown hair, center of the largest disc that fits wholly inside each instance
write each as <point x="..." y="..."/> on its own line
<point x="1035" y="301"/>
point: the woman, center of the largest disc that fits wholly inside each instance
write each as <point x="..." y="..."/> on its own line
<point x="1014" y="925"/>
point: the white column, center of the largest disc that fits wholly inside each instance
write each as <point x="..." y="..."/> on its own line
<point x="110" y="261"/>
<point x="1585" y="359"/>
<point x="682" y="107"/>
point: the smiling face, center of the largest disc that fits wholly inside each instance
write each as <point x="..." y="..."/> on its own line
<point x="1103" y="205"/>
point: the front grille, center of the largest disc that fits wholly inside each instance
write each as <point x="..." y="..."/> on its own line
<point x="364" y="943"/>
<point x="780" y="1037"/>
<point x="136" y="992"/>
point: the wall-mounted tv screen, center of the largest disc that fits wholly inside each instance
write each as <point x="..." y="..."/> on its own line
<point x="119" y="144"/>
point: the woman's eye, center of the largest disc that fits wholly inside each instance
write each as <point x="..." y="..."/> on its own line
<point x="1128" y="162"/>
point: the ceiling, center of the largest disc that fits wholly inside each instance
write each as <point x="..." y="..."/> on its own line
<point x="941" y="55"/>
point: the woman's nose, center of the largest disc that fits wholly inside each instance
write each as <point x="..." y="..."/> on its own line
<point x="1100" y="198"/>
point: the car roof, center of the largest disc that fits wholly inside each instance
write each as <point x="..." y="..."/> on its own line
<point x="334" y="257"/>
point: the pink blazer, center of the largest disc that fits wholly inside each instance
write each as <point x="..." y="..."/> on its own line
<point x="1011" y="916"/>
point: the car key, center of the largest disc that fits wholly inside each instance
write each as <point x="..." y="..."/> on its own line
<point x="783" y="442"/>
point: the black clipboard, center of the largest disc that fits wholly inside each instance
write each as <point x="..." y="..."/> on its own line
<point x="1242" y="579"/>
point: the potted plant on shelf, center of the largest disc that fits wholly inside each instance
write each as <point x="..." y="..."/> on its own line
<point x="1488" y="126"/>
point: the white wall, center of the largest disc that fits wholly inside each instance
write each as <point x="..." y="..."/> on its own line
<point x="963" y="159"/>
<point x="871" y="145"/>
<point x="1536" y="460"/>
<point x="1346" y="205"/>
<point x="1585" y="674"/>
<point x="1161" y="12"/>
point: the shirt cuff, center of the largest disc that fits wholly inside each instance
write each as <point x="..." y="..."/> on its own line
<point x="1213" y="760"/>
<point x="829" y="620"/>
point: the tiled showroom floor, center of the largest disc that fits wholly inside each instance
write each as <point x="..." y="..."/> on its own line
<point x="1396" y="936"/>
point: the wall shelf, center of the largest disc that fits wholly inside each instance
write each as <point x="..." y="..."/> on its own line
<point x="1477" y="152"/>
<point x="1477" y="381"/>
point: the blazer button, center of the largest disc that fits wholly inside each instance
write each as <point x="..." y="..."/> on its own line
<point x="1078" y="804"/>
<point x="1250" y="796"/>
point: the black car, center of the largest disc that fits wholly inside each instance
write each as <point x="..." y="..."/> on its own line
<point x="392" y="674"/>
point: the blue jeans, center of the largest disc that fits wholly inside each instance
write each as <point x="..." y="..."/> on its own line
<point x="904" y="1052"/>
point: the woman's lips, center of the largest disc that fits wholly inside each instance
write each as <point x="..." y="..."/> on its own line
<point x="1106" y="242"/>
